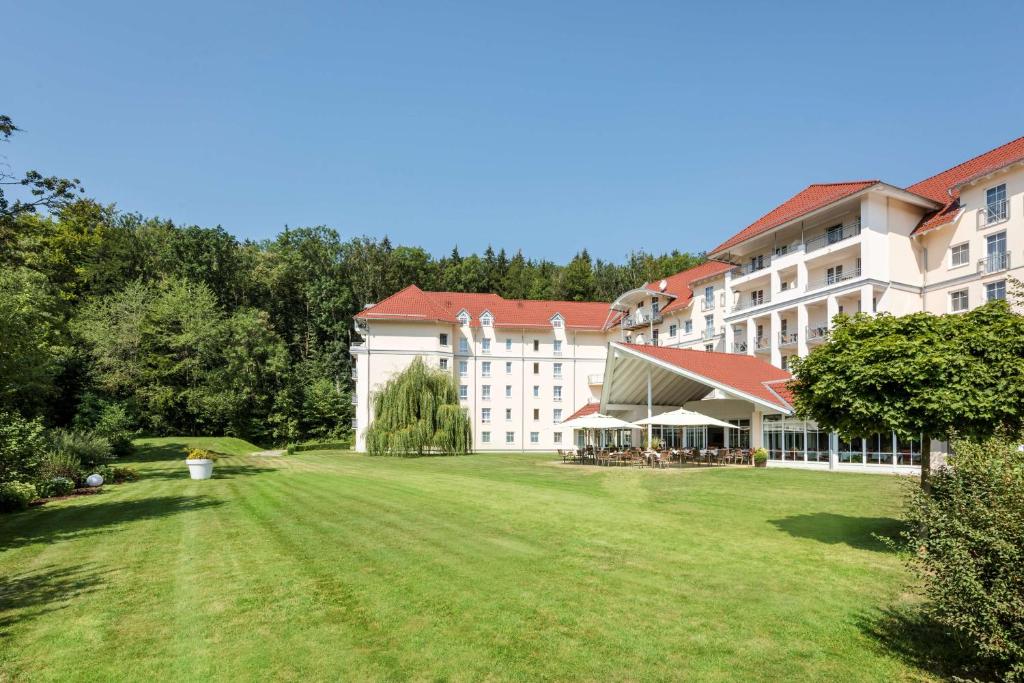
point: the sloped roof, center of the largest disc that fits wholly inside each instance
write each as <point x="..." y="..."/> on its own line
<point x="944" y="187"/>
<point x="587" y="409"/>
<point x="744" y="374"/>
<point x="680" y="284"/>
<point x="811" y="198"/>
<point x="412" y="303"/>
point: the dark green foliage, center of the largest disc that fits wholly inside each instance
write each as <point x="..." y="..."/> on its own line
<point x="418" y="412"/>
<point x="88" y="448"/>
<point x="16" y="495"/>
<point x="55" y="487"/>
<point x="117" y="475"/>
<point x="968" y="550"/>
<point x="21" y="447"/>
<point x="60" y="463"/>
<point x="117" y="428"/>
<point x="320" y="446"/>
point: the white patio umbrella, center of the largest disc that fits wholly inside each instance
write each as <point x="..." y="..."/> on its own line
<point x="595" y="422"/>
<point x="684" y="418"/>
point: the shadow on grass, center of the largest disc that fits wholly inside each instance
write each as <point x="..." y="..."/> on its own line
<point x="28" y="595"/>
<point x="856" y="532"/>
<point x="917" y="640"/>
<point x="160" y="452"/>
<point x="53" y="524"/>
<point x="219" y="472"/>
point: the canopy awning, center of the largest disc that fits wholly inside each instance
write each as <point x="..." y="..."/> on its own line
<point x="683" y="418"/>
<point x="597" y="421"/>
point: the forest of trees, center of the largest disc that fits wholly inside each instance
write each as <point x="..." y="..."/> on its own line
<point x="187" y="329"/>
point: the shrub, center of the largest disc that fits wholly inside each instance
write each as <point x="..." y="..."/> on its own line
<point x="342" y="445"/>
<point x="200" y="454"/>
<point x="21" y="447"/>
<point x="91" y="449"/>
<point x="118" y="475"/>
<point x="968" y="550"/>
<point x="16" y="495"/>
<point x="760" y="456"/>
<point x="53" y="488"/>
<point x="115" y="425"/>
<point x="61" y="464"/>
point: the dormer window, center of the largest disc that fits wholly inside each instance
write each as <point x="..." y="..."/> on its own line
<point x="486" y="319"/>
<point x="463" y="318"/>
<point x="557" y="321"/>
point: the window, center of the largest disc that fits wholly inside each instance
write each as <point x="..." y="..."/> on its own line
<point x="463" y="368"/>
<point x="536" y="368"/>
<point x="508" y="344"/>
<point x="958" y="300"/>
<point x="534" y="437"/>
<point x="485" y="415"/>
<point x="443" y="338"/>
<point x="673" y="330"/>
<point x="655" y="306"/>
<point x="557" y="437"/>
<point x="756" y="263"/>
<point x="558" y="370"/>
<point x="688" y="327"/>
<point x="508" y="414"/>
<point x="757" y="297"/>
<point x="995" y="290"/>
<point x="783" y="327"/>
<point x="785" y="363"/>
<point x="556" y="322"/>
<point x="485" y="345"/>
<point x="654" y="335"/>
<point x="536" y="414"/>
<point x="709" y="297"/>
<point x="960" y="255"/>
<point x="485" y="437"/>
<point x="996" y="208"/>
<point x="996" y="256"/>
<point x="463" y="318"/>
<point x="536" y="344"/>
<point x="508" y="367"/>
<point x="463" y="345"/>
<point x="485" y="368"/>
<point x="558" y="347"/>
<point x="463" y="392"/>
<point x="508" y="391"/>
<point x="536" y="391"/>
<point x="510" y="437"/>
<point x="557" y="415"/>
<point x="709" y="326"/>
<point x="485" y="392"/>
<point x="486" y="320"/>
<point x="558" y="392"/>
<point x="443" y="363"/>
<point x="834" y="275"/>
<point x="834" y="234"/>
<point x="709" y="347"/>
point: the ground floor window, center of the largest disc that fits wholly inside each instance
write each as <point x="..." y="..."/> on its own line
<point x="485" y="437"/>
<point x="558" y="437"/>
<point x="510" y="437"/>
<point x="534" y="437"/>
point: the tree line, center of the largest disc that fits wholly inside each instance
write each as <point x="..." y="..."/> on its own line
<point x="187" y="329"/>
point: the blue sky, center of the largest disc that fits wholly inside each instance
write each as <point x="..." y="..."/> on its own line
<point x="546" y="126"/>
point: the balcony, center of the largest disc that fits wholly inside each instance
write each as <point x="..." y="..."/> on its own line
<point x="994" y="263"/>
<point x="746" y="302"/>
<point x="762" y="344"/>
<point x="595" y="380"/>
<point x="752" y="267"/>
<point x="833" y="236"/>
<point x="631" y="322"/>
<point x="710" y="333"/>
<point x="707" y="305"/>
<point x="788" y="338"/>
<point x="834" y="279"/>
<point x="739" y="347"/>
<point x="994" y="213"/>
<point x="817" y="333"/>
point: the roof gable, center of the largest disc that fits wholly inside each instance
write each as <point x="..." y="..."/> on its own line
<point x="680" y="285"/>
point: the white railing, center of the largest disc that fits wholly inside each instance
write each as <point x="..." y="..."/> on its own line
<point x="706" y="305"/>
<point x="761" y="343"/>
<point x="835" y="279"/>
<point x="746" y="302"/>
<point x="752" y="267"/>
<point x="595" y="379"/>
<point x="817" y="332"/>
<point x="638" y="319"/>
<point x="843" y="232"/>
<point x="711" y="333"/>
<point x="739" y="347"/>
<point x="996" y="212"/>
<point x="994" y="263"/>
<point x="786" y="338"/>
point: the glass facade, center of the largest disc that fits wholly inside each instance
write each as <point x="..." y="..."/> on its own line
<point x="794" y="440"/>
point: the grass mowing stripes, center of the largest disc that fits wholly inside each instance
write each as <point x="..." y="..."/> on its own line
<point x="327" y="565"/>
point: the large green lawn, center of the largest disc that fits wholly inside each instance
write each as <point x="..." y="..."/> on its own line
<point x="330" y="565"/>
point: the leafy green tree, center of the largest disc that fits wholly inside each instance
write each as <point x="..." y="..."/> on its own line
<point x="418" y="412"/>
<point x="30" y="340"/>
<point x="577" y="280"/>
<point x="21" y="446"/>
<point x="918" y="375"/>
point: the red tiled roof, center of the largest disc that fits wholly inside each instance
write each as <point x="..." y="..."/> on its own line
<point x="587" y="409"/>
<point x="809" y="199"/>
<point x="746" y="374"/>
<point x="412" y="303"/>
<point x="680" y="284"/>
<point x="945" y="187"/>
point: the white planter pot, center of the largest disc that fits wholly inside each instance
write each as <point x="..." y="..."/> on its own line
<point x="200" y="469"/>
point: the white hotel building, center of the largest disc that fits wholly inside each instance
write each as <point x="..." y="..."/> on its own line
<point x="718" y="338"/>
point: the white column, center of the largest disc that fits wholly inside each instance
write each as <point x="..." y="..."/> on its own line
<point x="831" y="309"/>
<point x="729" y="338"/>
<point x="649" y="408"/>
<point x="801" y="275"/>
<point x="755" y="430"/>
<point x="776" y="282"/>
<point x="801" y="330"/>
<point x="751" y="332"/>
<point x="728" y="290"/>
<point x="774" y="328"/>
<point x="867" y="294"/>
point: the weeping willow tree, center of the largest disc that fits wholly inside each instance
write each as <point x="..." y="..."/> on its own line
<point x="418" y="412"/>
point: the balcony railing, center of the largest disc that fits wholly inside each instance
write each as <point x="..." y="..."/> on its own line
<point x="817" y="332"/>
<point x="844" y="232"/>
<point x="835" y="279"/>
<point x="996" y="212"/>
<point x="595" y="380"/>
<point x="640" y="319"/>
<point x="994" y="263"/>
<point x="746" y="302"/>
<point x="752" y="267"/>
<point x="786" y="338"/>
<point x="739" y="347"/>
<point x="711" y="333"/>
<point x="706" y="305"/>
<point x="762" y="343"/>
